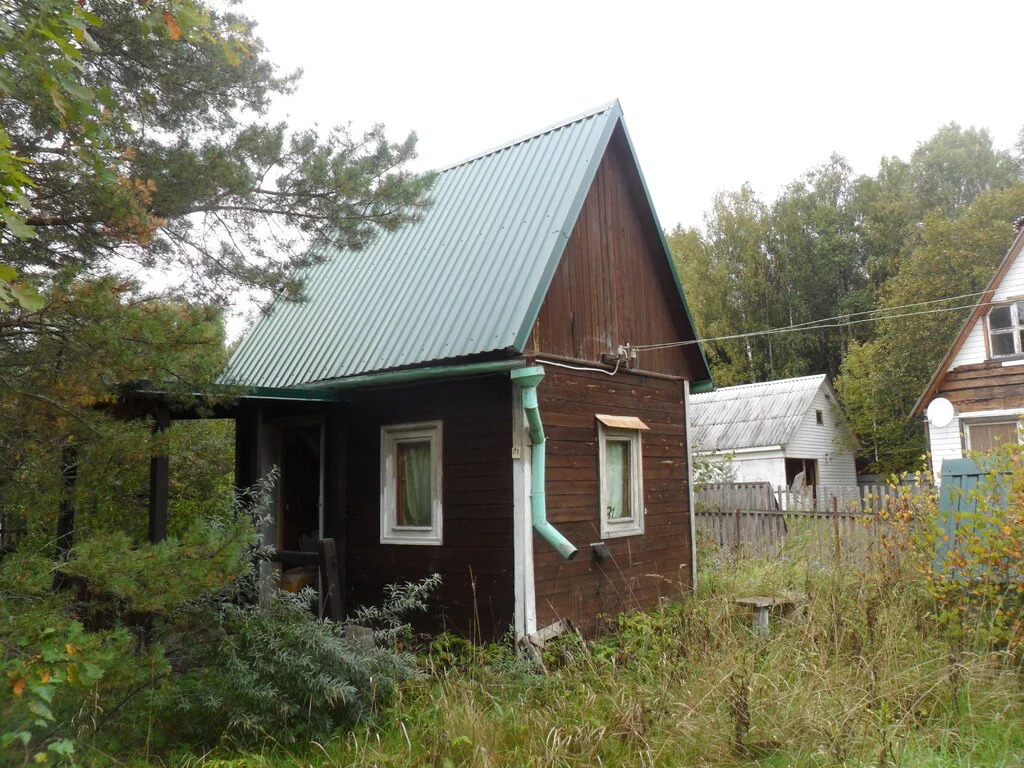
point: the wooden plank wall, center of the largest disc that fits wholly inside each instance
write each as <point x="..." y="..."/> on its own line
<point x="983" y="386"/>
<point x="476" y="597"/>
<point x="613" y="284"/>
<point x="642" y="568"/>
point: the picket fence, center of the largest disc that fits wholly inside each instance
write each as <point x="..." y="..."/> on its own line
<point x="835" y="522"/>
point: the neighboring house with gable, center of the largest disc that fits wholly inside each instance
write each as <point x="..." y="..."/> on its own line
<point x="777" y="432"/>
<point x="975" y="399"/>
<point x="459" y="396"/>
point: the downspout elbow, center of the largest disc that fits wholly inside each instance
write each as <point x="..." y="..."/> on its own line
<point x="527" y="380"/>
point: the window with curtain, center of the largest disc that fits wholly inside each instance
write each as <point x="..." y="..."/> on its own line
<point x="410" y="467"/>
<point x="621" y="475"/>
<point x="984" y="437"/>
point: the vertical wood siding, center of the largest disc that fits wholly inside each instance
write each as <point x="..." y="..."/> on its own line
<point x="642" y="568"/>
<point x="613" y="284"/>
<point x="475" y="561"/>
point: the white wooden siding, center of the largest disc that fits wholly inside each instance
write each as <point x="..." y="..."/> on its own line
<point x="830" y="442"/>
<point x="947" y="442"/>
<point x="1011" y="287"/>
<point x="944" y="443"/>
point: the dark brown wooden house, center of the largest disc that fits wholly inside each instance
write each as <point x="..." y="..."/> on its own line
<point x="464" y="396"/>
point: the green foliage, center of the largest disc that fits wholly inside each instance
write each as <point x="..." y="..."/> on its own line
<point x="834" y="245"/>
<point x="154" y="646"/>
<point x="882" y="378"/>
<point x="859" y="674"/>
<point x="251" y="670"/>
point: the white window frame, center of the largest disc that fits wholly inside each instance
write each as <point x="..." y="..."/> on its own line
<point x="625" y="526"/>
<point x="1016" y="326"/>
<point x="391" y="435"/>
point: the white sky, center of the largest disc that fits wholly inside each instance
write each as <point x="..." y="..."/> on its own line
<point x="715" y="94"/>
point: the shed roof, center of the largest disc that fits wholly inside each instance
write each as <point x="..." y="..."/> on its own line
<point x="468" y="279"/>
<point x="752" y="415"/>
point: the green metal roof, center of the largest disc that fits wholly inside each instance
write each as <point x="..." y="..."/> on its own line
<point x="468" y="279"/>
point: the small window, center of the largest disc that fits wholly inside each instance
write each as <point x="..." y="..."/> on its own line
<point x="410" y="483"/>
<point x="984" y="437"/>
<point x="621" y="481"/>
<point x="819" y="417"/>
<point x="1006" y="329"/>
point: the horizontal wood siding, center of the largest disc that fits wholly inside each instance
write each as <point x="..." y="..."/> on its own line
<point x="476" y="559"/>
<point x="944" y="443"/>
<point x="829" y="442"/>
<point x="983" y="387"/>
<point x="642" y="568"/>
<point x="613" y="284"/>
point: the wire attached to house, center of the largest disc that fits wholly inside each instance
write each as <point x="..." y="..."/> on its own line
<point x="582" y="367"/>
<point x="825" y="323"/>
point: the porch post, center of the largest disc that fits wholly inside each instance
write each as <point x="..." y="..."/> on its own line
<point x="158" y="482"/>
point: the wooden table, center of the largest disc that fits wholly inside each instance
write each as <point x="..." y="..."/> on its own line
<point x="762" y="607"/>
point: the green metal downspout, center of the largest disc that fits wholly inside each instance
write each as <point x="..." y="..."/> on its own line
<point x="527" y="380"/>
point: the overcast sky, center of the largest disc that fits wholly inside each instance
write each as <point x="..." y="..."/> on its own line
<point x="715" y="94"/>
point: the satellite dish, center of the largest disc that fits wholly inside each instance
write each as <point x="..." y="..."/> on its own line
<point x="939" y="412"/>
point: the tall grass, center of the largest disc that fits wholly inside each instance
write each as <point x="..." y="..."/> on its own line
<point x="860" y="674"/>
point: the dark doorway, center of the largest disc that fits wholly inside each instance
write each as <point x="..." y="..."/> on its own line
<point x="801" y="472"/>
<point x="300" y="516"/>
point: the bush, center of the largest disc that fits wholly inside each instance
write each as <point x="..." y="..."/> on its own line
<point x="157" y="645"/>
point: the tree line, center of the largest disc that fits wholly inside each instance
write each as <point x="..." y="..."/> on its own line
<point x="855" y="248"/>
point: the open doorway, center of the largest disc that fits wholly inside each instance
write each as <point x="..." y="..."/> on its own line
<point x="801" y="472"/>
<point x="301" y="518"/>
<point x="299" y="513"/>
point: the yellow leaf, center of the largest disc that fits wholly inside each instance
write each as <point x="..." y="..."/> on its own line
<point x="18" y="686"/>
<point x="70" y="649"/>
<point x="172" y="25"/>
<point x="44" y="676"/>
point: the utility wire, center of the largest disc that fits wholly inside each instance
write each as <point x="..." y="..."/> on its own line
<point x="825" y="323"/>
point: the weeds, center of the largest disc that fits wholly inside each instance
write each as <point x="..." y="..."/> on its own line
<point x="862" y="676"/>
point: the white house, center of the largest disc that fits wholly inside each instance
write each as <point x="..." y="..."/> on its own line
<point x="975" y="399"/>
<point x="775" y="430"/>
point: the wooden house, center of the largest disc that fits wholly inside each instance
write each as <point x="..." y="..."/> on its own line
<point x="777" y="432"/>
<point x="975" y="399"/>
<point x="461" y="397"/>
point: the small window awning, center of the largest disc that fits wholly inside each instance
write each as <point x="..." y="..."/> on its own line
<point x="621" y="422"/>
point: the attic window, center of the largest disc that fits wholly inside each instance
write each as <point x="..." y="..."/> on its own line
<point x="1006" y="329"/>
<point x="819" y="417"/>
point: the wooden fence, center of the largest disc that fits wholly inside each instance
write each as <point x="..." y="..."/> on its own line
<point x="837" y="522"/>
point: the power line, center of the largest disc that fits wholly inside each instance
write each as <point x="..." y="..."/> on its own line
<point x="825" y="323"/>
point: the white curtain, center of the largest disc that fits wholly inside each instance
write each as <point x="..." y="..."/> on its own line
<point x="617" y="479"/>
<point x="413" y="484"/>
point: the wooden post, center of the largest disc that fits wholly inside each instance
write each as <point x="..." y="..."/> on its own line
<point x="330" y="584"/>
<point x="739" y="534"/>
<point x="159" y="476"/>
<point x="835" y="525"/>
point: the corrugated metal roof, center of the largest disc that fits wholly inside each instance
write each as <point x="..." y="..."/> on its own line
<point x="751" y="415"/>
<point x="467" y="279"/>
